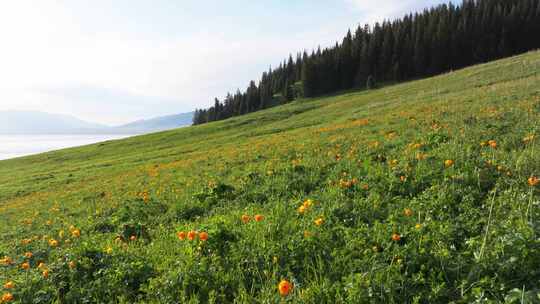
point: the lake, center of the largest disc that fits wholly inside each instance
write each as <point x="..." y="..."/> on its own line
<point x="21" y="145"/>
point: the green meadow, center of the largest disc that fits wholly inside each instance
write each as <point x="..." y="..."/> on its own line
<point x="420" y="192"/>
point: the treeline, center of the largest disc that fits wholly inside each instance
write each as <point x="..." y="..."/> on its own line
<point x="437" y="40"/>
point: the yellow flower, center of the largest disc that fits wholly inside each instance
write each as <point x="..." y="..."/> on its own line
<point x="9" y="285"/>
<point x="41" y="265"/>
<point x="533" y="181"/>
<point x="45" y="273"/>
<point x="418" y="226"/>
<point x="302" y="209"/>
<point x="448" y="163"/>
<point x="53" y="243"/>
<point x="109" y="250"/>
<point x="307" y="203"/>
<point x="28" y="255"/>
<point x="319" y="221"/>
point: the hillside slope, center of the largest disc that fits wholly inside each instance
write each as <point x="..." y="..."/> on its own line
<point x="418" y="192"/>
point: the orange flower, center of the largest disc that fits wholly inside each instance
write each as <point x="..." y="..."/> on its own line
<point x="6" y="261"/>
<point x="407" y="212"/>
<point x="203" y="236"/>
<point x="302" y="209"/>
<point x="53" y="242"/>
<point x="319" y="221"/>
<point x="41" y="265"/>
<point x="448" y="163"/>
<point x="25" y="266"/>
<point x="307" y="203"/>
<point x="396" y="237"/>
<point x="285" y="288"/>
<point x="133" y="238"/>
<point x="403" y="178"/>
<point x="45" y="273"/>
<point x="533" y="181"/>
<point x="259" y="218"/>
<point x="7" y="297"/>
<point x="192" y="235"/>
<point x="181" y="235"/>
<point x="76" y="233"/>
<point x="9" y="285"/>
<point x="28" y="255"/>
<point x="245" y="218"/>
<point x="492" y="144"/>
<point x="72" y="265"/>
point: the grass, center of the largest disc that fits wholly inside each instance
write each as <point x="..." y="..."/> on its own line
<point x="386" y="217"/>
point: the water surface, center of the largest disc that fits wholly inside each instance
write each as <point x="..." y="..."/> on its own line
<point x="21" y="145"/>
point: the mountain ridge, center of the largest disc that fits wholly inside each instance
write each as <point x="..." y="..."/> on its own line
<point x="19" y="122"/>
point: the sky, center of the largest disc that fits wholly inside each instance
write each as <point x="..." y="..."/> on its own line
<point x="115" y="61"/>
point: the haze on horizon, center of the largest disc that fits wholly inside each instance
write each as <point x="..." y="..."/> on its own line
<point x="113" y="62"/>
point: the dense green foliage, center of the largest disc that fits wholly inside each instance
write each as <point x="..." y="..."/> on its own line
<point x="437" y="40"/>
<point x="421" y="192"/>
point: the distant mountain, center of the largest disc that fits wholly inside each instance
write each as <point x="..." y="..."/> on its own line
<point x="157" y="124"/>
<point x="34" y="122"/>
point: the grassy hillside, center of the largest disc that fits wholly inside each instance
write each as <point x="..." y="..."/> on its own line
<point x="419" y="192"/>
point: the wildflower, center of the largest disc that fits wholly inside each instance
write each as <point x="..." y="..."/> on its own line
<point x="448" y="163"/>
<point x="109" y="250"/>
<point x="418" y="226"/>
<point x="483" y="144"/>
<point x="72" y="265"/>
<point x="307" y="203"/>
<point x="319" y="221"/>
<point x="9" y="285"/>
<point x="53" y="243"/>
<point x="203" y="236"/>
<point x="245" y="218"/>
<point x="61" y="234"/>
<point x="181" y="235"/>
<point x="192" y="235"/>
<point x="133" y="238"/>
<point x="307" y="234"/>
<point x="45" y="273"/>
<point x="259" y="218"/>
<point x="76" y="233"/>
<point x="302" y="209"/>
<point x="533" y="181"/>
<point x="25" y="266"/>
<point x="48" y="223"/>
<point x="28" y="255"/>
<point x="396" y="237"/>
<point x="402" y="178"/>
<point x="528" y="139"/>
<point x="285" y="288"/>
<point x="6" y="261"/>
<point x="41" y="265"/>
<point x="407" y="212"/>
<point x="7" y="297"/>
<point x="492" y="144"/>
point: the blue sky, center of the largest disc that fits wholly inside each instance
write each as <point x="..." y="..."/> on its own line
<point x="114" y="61"/>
